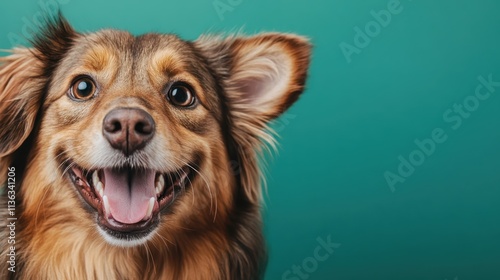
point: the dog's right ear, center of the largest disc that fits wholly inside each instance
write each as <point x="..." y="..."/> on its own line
<point x="18" y="103"/>
<point x="24" y="76"/>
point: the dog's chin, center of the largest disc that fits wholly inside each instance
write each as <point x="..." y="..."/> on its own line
<point x="127" y="202"/>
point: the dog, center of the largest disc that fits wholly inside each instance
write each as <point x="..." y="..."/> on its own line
<point x="137" y="157"/>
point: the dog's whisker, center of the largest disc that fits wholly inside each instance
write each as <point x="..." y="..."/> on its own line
<point x="67" y="168"/>
<point x="63" y="163"/>
<point x="208" y="187"/>
<point x="149" y="254"/>
<point x="164" y="240"/>
<point x="178" y="168"/>
<point x="194" y="192"/>
<point x="41" y="202"/>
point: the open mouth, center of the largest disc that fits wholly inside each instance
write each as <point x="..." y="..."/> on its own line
<point x="128" y="201"/>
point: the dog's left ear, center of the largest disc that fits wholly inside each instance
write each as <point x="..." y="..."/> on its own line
<point x="261" y="76"/>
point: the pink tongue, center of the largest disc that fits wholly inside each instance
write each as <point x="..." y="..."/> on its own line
<point x="129" y="204"/>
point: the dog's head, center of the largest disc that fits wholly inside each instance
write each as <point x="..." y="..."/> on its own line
<point x="142" y="134"/>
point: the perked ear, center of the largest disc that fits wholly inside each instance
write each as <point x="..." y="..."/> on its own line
<point x="268" y="72"/>
<point x="262" y="76"/>
<point x="265" y="73"/>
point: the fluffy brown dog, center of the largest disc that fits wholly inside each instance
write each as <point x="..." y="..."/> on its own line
<point x="137" y="157"/>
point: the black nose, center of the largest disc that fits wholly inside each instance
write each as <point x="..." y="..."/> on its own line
<point x="128" y="129"/>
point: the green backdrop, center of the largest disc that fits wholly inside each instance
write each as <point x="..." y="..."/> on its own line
<point x="391" y="159"/>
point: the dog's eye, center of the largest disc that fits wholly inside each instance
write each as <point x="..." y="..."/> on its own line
<point x="83" y="89"/>
<point x="181" y="95"/>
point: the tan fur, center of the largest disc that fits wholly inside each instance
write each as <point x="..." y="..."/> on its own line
<point x="214" y="229"/>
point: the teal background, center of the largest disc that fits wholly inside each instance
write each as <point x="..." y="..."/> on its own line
<point x="351" y="125"/>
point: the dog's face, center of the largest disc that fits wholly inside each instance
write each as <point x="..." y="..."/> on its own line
<point x="142" y="132"/>
<point x="134" y="122"/>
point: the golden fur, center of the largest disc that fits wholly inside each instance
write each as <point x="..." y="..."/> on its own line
<point x="213" y="230"/>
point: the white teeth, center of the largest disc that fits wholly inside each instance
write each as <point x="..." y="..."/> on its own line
<point x="160" y="185"/>
<point x="99" y="188"/>
<point x="106" y="206"/>
<point x="150" y="207"/>
<point x="95" y="178"/>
